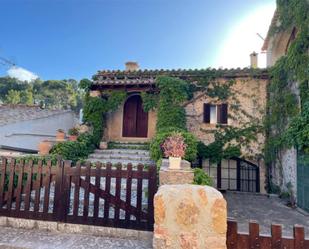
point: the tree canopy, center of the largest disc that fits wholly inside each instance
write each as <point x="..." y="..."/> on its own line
<point x="60" y="94"/>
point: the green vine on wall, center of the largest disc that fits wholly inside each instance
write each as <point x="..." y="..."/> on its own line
<point x="96" y="108"/>
<point x="287" y="122"/>
<point x="170" y="99"/>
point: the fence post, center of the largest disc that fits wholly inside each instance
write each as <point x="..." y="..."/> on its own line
<point x="152" y="189"/>
<point x="299" y="237"/>
<point x="66" y="189"/>
<point x="58" y="208"/>
<point x="232" y="235"/>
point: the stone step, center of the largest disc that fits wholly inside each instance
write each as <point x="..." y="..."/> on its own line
<point x="120" y="157"/>
<point x="123" y="162"/>
<point x="133" y="146"/>
<point x="122" y="151"/>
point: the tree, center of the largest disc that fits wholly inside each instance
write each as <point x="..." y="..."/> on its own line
<point x="13" y="97"/>
<point x="27" y="97"/>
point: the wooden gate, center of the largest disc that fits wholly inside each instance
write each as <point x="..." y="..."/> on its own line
<point x="104" y="195"/>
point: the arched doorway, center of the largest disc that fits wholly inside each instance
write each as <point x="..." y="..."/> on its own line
<point x="135" y="120"/>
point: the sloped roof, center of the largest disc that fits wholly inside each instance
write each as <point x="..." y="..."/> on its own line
<point x="148" y="77"/>
<point x="16" y="113"/>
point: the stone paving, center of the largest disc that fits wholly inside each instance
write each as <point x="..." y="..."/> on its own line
<point x="37" y="239"/>
<point x="266" y="210"/>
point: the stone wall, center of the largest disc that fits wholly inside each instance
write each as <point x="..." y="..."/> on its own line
<point x="189" y="217"/>
<point x="251" y="95"/>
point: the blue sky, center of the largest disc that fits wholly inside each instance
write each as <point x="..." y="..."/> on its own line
<point x="57" y="39"/>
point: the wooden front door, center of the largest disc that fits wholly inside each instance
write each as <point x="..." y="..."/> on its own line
<point x="135" y="120"/>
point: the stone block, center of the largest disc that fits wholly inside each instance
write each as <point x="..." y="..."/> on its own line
<point x="21" y="223"/>
<point x="189" y="217"/>
<point x="184" y="175"/>
<point x="46" y="225"/>
<point x="3" y="221"/>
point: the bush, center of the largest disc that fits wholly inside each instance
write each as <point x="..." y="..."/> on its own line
<point x="201" y="178"/>
<point x="75" y="150"/>
<point x="156" y="152"/>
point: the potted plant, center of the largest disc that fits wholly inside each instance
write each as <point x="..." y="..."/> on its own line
<point x="60" y="135"/>
<point x="174" y="148"/>
<point x="73" y="134"/>
<point x="44" y="147"/>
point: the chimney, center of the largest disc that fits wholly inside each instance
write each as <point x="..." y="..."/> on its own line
<point x="131" y="66"/>
<point x="254" y="60"/>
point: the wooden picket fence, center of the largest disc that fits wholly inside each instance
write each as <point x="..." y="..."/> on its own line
<point x="254" y="240"/>
<point x="104" y="195"/>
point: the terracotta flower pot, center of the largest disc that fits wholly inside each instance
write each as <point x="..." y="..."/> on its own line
<point x="174" y="162"/>
<point x="45" y="147"/>
<point x="103" y="145"/>
<point x="60" y="136"/>
<point x="73" y="137"/>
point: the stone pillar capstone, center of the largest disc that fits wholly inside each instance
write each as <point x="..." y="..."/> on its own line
<point x="176" y="176"/>
<point x="189" y="217"/>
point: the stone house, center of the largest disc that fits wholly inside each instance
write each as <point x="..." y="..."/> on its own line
<point x="131" y="124"/>
<point x="23" y="127"/>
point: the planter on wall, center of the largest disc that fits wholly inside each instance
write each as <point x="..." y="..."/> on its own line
<point x="44" y="147"/>
<point x="60" y="135"/>
<point x="73" y="137"/>
<point x="174" y="162"/>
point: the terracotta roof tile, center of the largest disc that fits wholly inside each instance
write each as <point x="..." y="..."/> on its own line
<point x="148" y="77"/>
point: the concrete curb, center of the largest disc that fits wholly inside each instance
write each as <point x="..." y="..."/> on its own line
<point x="58" y="227"/>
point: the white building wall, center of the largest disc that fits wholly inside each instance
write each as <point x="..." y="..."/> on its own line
<point x="28" y="134"/>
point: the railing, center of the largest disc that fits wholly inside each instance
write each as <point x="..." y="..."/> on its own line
<point x="104" y="195"/>
<point x="254" y="240"/>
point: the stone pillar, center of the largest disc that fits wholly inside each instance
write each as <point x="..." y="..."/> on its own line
<point x="176" y="176"/>
<point x="189" y="217"/>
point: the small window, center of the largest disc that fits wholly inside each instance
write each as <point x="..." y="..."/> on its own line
<point x="215" y="114"/>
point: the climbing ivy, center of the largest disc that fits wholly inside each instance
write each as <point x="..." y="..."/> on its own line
<point x="287" y="122"/>
<point x="95" y="109"/>
<point x="170" y="101"/>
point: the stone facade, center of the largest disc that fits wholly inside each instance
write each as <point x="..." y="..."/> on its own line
<point x="284" y="170"/>
<point x="252" y="101"/>
<point x="189" y="217"/>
